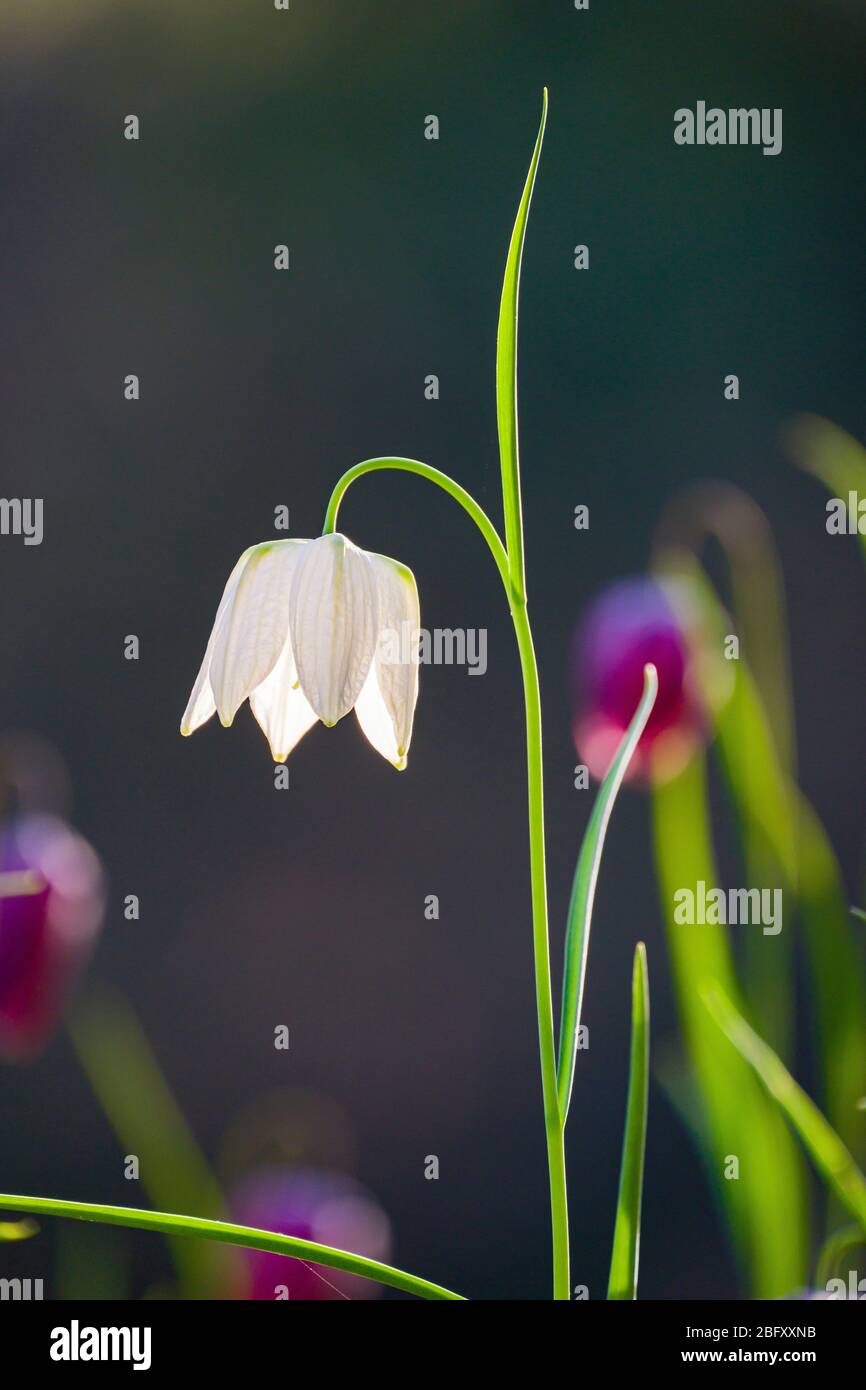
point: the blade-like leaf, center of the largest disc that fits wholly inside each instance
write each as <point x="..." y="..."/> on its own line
<point x="626" y="1237"/>
<point x="832" y="456"/>
<point x="830" y="1156"/>
<point x="118" y="1061"/>
<point x="506" y="376"/>
<point x="227" y="1233"/>
<point x="583" y="891"/>
<point x="785" y="845"/>
<point x="766" y="1214"/>
<point x="18" y="1230"/>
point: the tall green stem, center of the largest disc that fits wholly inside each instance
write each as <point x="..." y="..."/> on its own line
<point x="529" y="670"/>
<point x="553" y="1119"/>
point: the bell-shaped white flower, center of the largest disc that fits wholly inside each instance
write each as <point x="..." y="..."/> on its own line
<point x="309" y="630"/>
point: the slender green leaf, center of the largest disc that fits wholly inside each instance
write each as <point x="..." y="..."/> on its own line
<point x="18" y="1230"/>
<point x="835" y="1249"/>
<point x="506" y="376"/>
<point x="786" y="846"/>
<point x="766" y="1214"/>
<point x="788" y="839"/>
<point x="626" y="1237"/>
<point x="725" y="513"/>
<point x="226" y="1233"/>
<point x="829" y="1154"/>
<point x="832" y="456"/>
<point x="583" y="892"/>
<point x="119" y="1063"/>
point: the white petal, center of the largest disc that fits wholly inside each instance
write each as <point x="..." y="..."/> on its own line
<point x="254" y="628"/>
<point x="201" y="703"/>
<point x="334" y="619"/>
<point x="281" y="707"/>
<point x="377" y="722"/>
<point x="386" y="706"/>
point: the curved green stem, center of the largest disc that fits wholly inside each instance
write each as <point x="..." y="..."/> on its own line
<point x="433" y="475"/>
<point x="544" y="1003"/>
<point x="250" y="1237"/>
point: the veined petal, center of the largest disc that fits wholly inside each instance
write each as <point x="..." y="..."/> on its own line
<point x="201" y="703"/>
<point x="254" y="628"/>
<point x="281" y="707"/>
<point x="377" y="723"/>
<point x="334" y="620"/>
<point x="386" y="705"/>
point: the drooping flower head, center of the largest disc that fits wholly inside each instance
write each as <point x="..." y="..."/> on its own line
<point x="305" y="631"/>
<point x="630" y="624"/>
<point x="313" y="1205"/>
<point x="47" y="928"/>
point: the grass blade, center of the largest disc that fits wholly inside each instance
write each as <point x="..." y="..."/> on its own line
<point x="583" y="892"/>
<point x="117" y="1060"/>
<point x="506" y="376"/>
<point x="829" y="1154"/>
<point x="18" y="1230"/>
<point x="765" y="1214"/>
<point x="832" y="456"/>
<point x="626" y="1237"/>
<point x="226" y="1233"/>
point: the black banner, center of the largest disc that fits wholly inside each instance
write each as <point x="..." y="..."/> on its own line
<point x="155" y="1337"/>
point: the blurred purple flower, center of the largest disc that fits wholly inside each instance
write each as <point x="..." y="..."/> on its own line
<point x="313" y="1205"/>
<point x="46" y="935"/>
<point x="631" y="623"/>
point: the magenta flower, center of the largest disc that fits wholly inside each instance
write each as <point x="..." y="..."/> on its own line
<point x="47" y="930"/>
<point x="631" y="623"/>
<point x="326" y="1207"/>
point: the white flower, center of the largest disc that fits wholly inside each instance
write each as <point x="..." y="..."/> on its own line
<point x="302" y="630"/>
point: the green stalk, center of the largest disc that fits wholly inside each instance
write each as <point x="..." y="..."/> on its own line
<point x="249" y="1237"/>
<point x="511" y="569"/>
<point x="626" y="1236"/>
<point x="543" y="997"/>
<point x="553" y="1119"/>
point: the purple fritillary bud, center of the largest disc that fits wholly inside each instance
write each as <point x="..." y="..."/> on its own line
<point x="313" y="1205"/>
<point x="629" y="624"/>
<point x="45" y="936"/>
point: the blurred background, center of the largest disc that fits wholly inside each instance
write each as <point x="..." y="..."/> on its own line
<point x="305" y="907"/>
